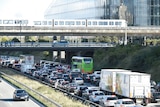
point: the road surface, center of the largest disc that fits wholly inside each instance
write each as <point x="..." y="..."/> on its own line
<point x="6" y="97"/>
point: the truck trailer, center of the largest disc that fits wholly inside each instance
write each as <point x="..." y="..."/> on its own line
<point x="126" y="84"/>
<point x="27" y="62"/>
<point x="134" y="85"/>
<point x="108" y="80"/>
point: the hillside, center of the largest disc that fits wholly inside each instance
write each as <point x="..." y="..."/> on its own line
<point x="132" y="57"/>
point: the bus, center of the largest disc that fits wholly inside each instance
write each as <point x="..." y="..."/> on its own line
<point x="83" y="64"/>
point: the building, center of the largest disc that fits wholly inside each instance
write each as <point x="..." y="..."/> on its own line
<point x="137" y="12"/>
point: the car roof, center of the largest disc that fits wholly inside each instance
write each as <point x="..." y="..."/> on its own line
<point x="110" y="96"/>
<point x="126" y="99"/>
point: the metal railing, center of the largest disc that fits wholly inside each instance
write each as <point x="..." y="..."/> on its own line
<point x="37" y="93"/>
<point x="50" y="44"/>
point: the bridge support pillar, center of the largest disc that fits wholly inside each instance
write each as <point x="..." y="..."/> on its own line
<point x="144" y="41"/>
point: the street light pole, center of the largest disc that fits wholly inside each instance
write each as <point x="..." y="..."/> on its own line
<point x="125" y="38"/>
<point x="20" y="22"/>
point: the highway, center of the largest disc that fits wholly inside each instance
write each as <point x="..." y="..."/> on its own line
<point x="6" y="97"/>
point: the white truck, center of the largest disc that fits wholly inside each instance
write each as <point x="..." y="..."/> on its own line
<point x="126" y="84"/>
<point x="108" y="79"/>
<point x="134" y="85"/>
<point x="27" y="62"/>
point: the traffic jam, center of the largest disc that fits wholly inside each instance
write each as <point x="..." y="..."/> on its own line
<point x="106" y="87"/>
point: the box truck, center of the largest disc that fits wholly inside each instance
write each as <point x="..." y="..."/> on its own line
<point x="133" y="85"/>
<point x="126" y="84"/>
<point x="27" y="62"/>
<point x="108" y="79"/>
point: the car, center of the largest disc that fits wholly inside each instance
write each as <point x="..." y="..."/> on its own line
<point x="96" y="96"/>
<point x="63" y="84"/>
<point x="158" y="86"/>
<point x="20" y="94"/>
<point x="125" y="103"/>
<point x="86" y="93"/>
<point x="57" y="83"/>
<point x="66" y="77"/>
<point x="79" y="89"/>
<point x="108" y="100"/>
<point x="155" y="96"/>
<point x="71" y="87"/>
<point x="61" y="43"/>
<point x="52" y="80"/>
<point x="78" y="80"/>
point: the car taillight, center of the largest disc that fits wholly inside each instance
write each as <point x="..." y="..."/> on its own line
<point x="121" y="105"/>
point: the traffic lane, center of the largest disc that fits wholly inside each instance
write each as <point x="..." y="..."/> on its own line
<point x="153" y="105"/>
<point x="6" y="97"/>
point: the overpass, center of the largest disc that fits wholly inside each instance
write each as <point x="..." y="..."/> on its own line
<point x="77" y="31"/>
<point x="48" y="46"/>
<point x="68" y="50"/>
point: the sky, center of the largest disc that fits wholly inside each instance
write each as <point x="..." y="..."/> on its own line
<point x="23" y="9"/>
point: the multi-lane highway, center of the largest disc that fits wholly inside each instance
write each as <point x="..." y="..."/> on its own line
<point x="6" y="97"/>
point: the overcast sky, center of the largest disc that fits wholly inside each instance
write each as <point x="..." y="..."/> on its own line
<point x="24" y="9"/>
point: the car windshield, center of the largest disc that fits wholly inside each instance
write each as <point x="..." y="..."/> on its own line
<point x="78" y="78"/>
<point x="127" y="102"/>
<point x="112" y="98"/>
<point x="21" y="91"/>
<point x="99" y="94"/>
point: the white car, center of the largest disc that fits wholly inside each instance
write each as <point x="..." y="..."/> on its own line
<point x="96" y="95"/>
<point x="97" y="73"/>
<point x="78" y="80"/>
<point x="108" y="100"/>
<point x="125" y="103"/>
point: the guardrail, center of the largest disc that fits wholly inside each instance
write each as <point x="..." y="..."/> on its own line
<point x="50" y="44"/>
<point x="37" y="93"/>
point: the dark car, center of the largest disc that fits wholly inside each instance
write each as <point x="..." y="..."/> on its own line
<point x="158" y="86"/>
<point x="20" y="94"/>
<point x="155" y="97"/>
<point x="66" y="77"/>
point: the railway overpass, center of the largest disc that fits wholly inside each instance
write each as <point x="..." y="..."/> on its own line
<point x="78" y="31"/>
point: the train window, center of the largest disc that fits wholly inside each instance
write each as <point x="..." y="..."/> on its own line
<point x="49" y="22"/>
<point x="25" y="21"/>
<point x="105" y="23"/>
<point x="89" y="22"/>
<point x="44" y="22"/>
<point x="7" y="21"/>
<point x="101" y="23"/>
<point x="118" y="23"/>
<point x="83" y="22"/>
<point x="72" y="23"/>
<point x="56" y="23"/>
<point x="78" y="23"/>
<point x="61" y="22"/>
<point x="94" y="23"/>
<point x="69" y="23"/>
<point x="37" y="22"/>
<point x="111" y="23"/>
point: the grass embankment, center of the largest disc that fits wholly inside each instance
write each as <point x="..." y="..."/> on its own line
<point x="45" y="90"/>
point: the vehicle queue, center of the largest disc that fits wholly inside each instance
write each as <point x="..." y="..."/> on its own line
<point x="82" y="85"/>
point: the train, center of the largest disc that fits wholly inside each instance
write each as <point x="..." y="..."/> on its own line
<point x="65" y="22"/>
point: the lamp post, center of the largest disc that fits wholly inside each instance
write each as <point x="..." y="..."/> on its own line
<point x="20" y="22"/>
<point x="125" y="38"/>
